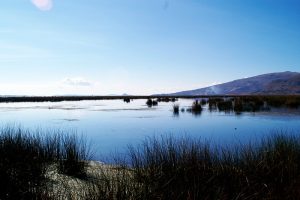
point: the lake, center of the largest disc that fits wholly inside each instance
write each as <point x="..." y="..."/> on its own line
<point x="111" y="125"/>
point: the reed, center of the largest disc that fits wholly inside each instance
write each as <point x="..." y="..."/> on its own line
<point x="169" y="168"/>
<point x="226" y="105"/>
<point x="176" y="109"/>
<point x="151" y="103"/>
<point x="158" y="168"/>
<point x="195" y="109"/>
<point x="26" y="156"/>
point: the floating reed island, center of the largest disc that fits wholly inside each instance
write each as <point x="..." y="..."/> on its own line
<point x="236" y="104"/>
<point x="251" y="103"/>
<point x="57" y="165"/>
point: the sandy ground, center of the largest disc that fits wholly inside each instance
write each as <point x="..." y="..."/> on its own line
<point x="66" y="187"/>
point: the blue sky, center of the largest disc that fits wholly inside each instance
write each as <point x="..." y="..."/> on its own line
<point x="52" y="47"/>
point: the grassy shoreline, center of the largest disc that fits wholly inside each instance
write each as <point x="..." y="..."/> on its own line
<point x="8" y="99"/>
<point x="57" y="165"/>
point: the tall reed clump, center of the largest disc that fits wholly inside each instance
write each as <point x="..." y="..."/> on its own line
<point x="151" y="103"/>
<point x="289" y="101"/>
<point x="226" y="105"/>
<point x="166" y="168"/>
<point x="212" y="103"/>
<point x="196" y="108"/>
<point x="293" y="102"/>
<point x="74" y="153"/>
<point x="248" y="104"/>
<point x="176" y="109"/>
<point x="25" y="158"/>
<point x="22" y="165"/>
<point x="127" y="100"/>
<point x="203" y="102"/>
<point x="171" y="168"/>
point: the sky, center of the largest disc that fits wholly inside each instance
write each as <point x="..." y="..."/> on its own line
<point x="142" y="47"/>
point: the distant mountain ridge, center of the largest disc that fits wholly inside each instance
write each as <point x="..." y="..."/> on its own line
<point x="272" y="83"/>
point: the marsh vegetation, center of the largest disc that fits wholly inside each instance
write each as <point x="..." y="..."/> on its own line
<point x="26" y="157"/>
<point x="240" y="104"/>
<point x="158" y="168"/>
<point x="176" y="109"/>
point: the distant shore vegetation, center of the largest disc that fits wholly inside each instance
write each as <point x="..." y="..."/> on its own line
<point x="273" y="100"/>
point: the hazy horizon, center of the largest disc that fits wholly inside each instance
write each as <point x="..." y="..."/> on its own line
<point x="142" y="47"/>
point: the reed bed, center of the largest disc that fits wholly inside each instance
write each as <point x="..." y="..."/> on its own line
<point x="26" y="157"/>
<point x="56" y="166"/>
<point x="169" y="168"/>
<point x="176" y="109"/>
<point x="151" y="102"/>
<point x="195" y="109"/>
<point x="254" y="103"/>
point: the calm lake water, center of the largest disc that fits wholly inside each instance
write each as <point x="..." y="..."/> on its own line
<point x="111" y="125"/>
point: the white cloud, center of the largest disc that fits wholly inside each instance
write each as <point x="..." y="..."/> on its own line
<point x="43" y="5"/>
<point x="67" y="86"/>
<point x="77" y="81"/>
